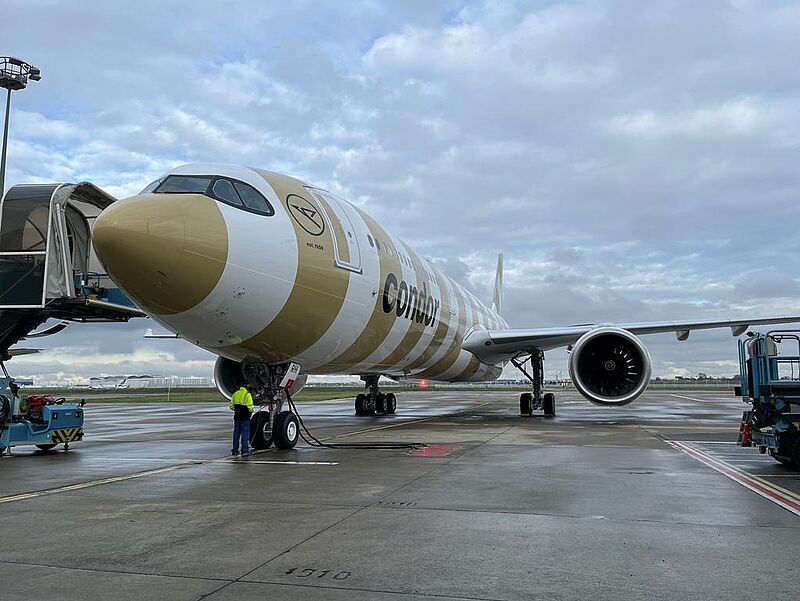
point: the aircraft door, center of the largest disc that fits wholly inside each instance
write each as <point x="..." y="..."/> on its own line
<point x="346" y="247"/>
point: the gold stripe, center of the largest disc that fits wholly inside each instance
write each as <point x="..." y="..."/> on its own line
<point x="317" y="295"/>
<point x="470" y="370"/>
<point x="442" y="326"/>
<point x="333" y="218"/>
<point x="451" y="356"/>
<point x="380" y="323"/>
<point x="415" y="331"/>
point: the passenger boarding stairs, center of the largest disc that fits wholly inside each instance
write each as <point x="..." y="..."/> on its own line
<point x="48" y="268"/>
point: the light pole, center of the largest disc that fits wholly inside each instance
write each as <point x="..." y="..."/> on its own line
<point x="14" y="75"/>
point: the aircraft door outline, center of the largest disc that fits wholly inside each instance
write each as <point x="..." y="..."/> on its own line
<point x="342" y="212"/>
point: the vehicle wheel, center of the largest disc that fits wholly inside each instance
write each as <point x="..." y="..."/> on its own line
<point x="380" y="403"/>
<point x="360" y="408"/>
<point x="525" y="400"/>
<point x="285" y="430"/>
<point x="782" y="460"/>
<point x="260" y="434"/>
<point x="46" y="447"/>
<point x="549" y="404"/>
<point x="391" y="403"/>
<point x="794" y="450"/>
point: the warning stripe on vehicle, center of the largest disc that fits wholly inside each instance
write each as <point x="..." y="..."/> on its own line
<point x="66" y="435"/>
<point x="782" y="497"/>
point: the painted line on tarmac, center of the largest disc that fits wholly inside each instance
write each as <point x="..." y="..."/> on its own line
<point x="90" y="484"/>
<point x="276" y="462"/>
<point x="780" y="496"/>
<point x="406" y="423"/>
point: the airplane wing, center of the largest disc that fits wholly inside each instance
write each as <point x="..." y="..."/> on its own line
<point x="492" y="346"/>
<point x="18" y="352"/>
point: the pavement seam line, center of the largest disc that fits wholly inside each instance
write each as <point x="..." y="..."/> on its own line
<point x="102" y="571"/>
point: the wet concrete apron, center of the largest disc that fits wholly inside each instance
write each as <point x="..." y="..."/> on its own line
<point x="648" y="501"/>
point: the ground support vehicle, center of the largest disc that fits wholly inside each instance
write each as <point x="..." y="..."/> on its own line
<point x="770" y="383"/>
<point x="38" y="420"/>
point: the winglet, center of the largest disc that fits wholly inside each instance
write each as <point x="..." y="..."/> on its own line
<point x="497" y="296"/>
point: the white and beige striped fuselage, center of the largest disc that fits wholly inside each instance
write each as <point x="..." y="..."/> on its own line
<point x="319" y="282"/>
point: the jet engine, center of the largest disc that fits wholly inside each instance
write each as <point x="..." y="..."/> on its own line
<point x="229" y="377"/>
<point x="610" y="366"/>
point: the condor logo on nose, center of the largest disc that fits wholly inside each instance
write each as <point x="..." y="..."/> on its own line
<point x="409" y="302"/>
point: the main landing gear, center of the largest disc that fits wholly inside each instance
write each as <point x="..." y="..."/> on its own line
<point x="531" y="401"/>
<point x="275" y="424"/>
<point x="374" y="401"/>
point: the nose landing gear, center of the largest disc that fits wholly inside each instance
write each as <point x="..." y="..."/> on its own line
<point x="275" y="425"/>
<point x="374" y="401"/>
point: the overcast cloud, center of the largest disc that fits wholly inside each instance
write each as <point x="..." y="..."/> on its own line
<point x="633" y="160"/>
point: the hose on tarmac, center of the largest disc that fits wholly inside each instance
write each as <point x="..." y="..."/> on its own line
<point x="313" y="441"/>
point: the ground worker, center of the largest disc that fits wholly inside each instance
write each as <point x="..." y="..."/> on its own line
<point x="242" y="407"/>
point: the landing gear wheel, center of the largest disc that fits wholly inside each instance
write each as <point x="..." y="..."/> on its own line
<point x="380" y="403"/>
<point x="46" y="447"/>
<point x="790" y="450"/>
<point x="285" y="430"/>
<point x="549" y="404"/>
<point x="391" y="403"/>
<point x="260" y="434"/>
<point x="526" y="403"/>
<point x="361" y="401"/>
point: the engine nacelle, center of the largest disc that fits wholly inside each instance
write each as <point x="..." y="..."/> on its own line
<point x="229" y="377"/>
<point x="610" y="366"/>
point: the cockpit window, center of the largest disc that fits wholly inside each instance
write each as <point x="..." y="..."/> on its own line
<point x="253" y="199"/>
<point x="229" y="191"/>
<point x="223" y="189"/>
<point x="185" y="184"/>
<point x="152" y="186"/>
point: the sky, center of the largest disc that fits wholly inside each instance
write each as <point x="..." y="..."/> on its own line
<point x="634" y="161"/>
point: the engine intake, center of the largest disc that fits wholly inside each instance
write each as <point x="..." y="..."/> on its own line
<point x="228" y="376"/>
<point x="610" y="366"/>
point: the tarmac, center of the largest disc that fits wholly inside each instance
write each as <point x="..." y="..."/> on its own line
<point x="649" y="501"/>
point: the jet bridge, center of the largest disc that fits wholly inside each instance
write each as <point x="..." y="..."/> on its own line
<point x="48" y="268"/>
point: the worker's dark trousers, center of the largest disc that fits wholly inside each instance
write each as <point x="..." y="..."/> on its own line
<point x="241" y="431"/>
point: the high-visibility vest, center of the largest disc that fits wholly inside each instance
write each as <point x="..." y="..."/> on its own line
<point x="242" y="397"/>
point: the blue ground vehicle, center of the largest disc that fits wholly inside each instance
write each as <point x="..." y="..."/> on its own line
<point x="44" y="424"/>
<point x="770" y="383"/>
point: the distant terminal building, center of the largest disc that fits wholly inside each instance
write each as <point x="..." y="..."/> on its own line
<point x="145" y="381"/>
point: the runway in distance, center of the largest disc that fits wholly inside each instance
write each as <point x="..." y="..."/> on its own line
<point x="269" y="272"/>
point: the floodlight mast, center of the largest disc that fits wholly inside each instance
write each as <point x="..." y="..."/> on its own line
<point x="14" y="75"/>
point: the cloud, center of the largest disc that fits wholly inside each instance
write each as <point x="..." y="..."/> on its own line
<point x="633" y="161"/>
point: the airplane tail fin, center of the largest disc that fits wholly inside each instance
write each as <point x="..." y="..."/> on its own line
<point x="497" y="296"/>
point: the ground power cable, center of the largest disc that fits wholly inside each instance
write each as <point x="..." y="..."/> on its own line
<point x="313" y="441"/>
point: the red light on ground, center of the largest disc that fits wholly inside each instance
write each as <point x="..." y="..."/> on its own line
<point x="423" y="383"/>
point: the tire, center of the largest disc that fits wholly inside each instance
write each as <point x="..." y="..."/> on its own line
<point x="525" y="406"/>
<point x="46" y="447"/>
<point x="391" y="403"/>
<point x="285" y="430"/>
<point x="793" y="448"/>
<point x="380" y="403"/>
<point x="549" y="404"/>
<point x="260" y="434"/>
<point x="360" y="400"/>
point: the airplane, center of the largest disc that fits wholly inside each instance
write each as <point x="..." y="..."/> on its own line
<point x="271" y="273"/>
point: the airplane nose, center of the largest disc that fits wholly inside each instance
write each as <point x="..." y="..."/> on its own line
<point x="166" y="251"/>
